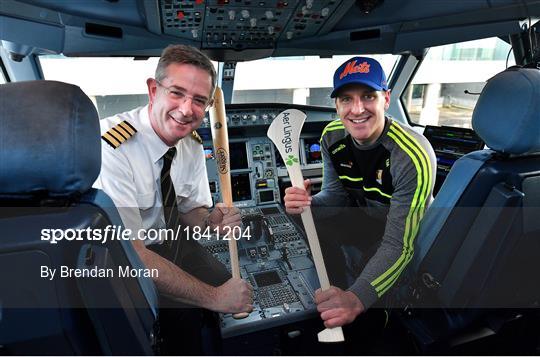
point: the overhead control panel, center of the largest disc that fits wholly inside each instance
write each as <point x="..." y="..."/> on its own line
<point x="244" y="24"/>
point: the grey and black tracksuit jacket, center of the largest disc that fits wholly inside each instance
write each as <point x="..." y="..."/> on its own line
<point x="393" y="179"/>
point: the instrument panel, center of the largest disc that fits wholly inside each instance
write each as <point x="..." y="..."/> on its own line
<point x="450" y="144"/>
<point x="258" y="175"/>
<point x="277" y="262"/>
<point x="248" y="115"/>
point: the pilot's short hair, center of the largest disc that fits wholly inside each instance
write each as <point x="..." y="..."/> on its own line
<point x="183" y="54"/>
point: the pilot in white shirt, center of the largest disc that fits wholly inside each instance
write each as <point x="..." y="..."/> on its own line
<point x="133" y="147"/>
<point x="130" y="173"/>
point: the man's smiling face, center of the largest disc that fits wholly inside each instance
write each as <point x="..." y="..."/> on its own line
<point x="178" y="102"/>
<point x="361" y="109"/>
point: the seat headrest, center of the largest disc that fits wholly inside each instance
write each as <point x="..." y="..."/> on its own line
<point x="507" y="114"/>
<point x="49" y="139"/>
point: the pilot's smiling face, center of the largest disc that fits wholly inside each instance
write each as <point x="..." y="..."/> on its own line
<point x="178" y="102"/>
<point x="361" y="109"/>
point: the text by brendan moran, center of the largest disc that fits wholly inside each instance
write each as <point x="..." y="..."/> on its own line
<point x="121" y="272"/>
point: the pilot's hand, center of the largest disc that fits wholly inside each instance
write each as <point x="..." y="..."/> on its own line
<point x="234" y="296"/>
<point x="296" y="198"/>
<point x="223" y="216"/>
<point x="338" y="307"/>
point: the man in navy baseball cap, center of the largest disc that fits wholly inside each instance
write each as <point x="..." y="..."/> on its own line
<point x="361" y="96"/>
<point x="376" y="163"/>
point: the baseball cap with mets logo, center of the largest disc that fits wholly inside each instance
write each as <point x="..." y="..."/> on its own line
<point x="360" y="70"/>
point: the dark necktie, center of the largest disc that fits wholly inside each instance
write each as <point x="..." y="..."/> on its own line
<point x="168" y="195"/>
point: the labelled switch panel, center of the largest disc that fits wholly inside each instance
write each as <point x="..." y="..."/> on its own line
<point x="243" y="24"/>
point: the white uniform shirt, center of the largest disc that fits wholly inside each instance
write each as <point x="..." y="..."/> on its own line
<point x="130" y="174"/>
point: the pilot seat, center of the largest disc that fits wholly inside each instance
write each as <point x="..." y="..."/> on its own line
<point x="477" y="254"/>
<point x="49" y="158"/>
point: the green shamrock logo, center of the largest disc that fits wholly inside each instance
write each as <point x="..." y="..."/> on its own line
<point x="291" y="160"/>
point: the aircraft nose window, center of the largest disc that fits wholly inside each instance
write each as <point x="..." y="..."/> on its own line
<point x="114" y="84"/>
<point x="446" y="87"/>
<point x="118" y="84"/>
<point x="304" y="80"/>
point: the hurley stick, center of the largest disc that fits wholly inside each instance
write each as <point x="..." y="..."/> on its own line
<point x="221" y="148"/>
<point x="285" y="134"/>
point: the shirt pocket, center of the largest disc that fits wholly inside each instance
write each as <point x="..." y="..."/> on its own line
<point x="146" y="200"/>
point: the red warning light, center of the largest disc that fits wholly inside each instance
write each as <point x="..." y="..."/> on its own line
<point x="180" y="15"/>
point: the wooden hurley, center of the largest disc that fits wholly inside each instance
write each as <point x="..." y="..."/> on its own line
<point x="285" y="134"/>
<point x="220" y="138"/>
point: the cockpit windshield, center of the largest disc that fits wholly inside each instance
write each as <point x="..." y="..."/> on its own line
<point x="293" y="80"/>
<point x="117" y="84"/>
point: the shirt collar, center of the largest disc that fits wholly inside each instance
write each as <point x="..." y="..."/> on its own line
<point x="156" y="147"/>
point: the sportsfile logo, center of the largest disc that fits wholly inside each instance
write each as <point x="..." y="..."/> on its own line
<point x="286" y="141"/>
<point x="351" y="68"/>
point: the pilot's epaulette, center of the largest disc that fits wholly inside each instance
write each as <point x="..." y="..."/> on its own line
<point x="119" y="133"/>
<point x="196" y="137"/>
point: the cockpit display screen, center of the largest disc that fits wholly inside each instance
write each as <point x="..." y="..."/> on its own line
<point x="313" y="151"/>
<point x="238" y="156"/>
<point x="267" y="278"/>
